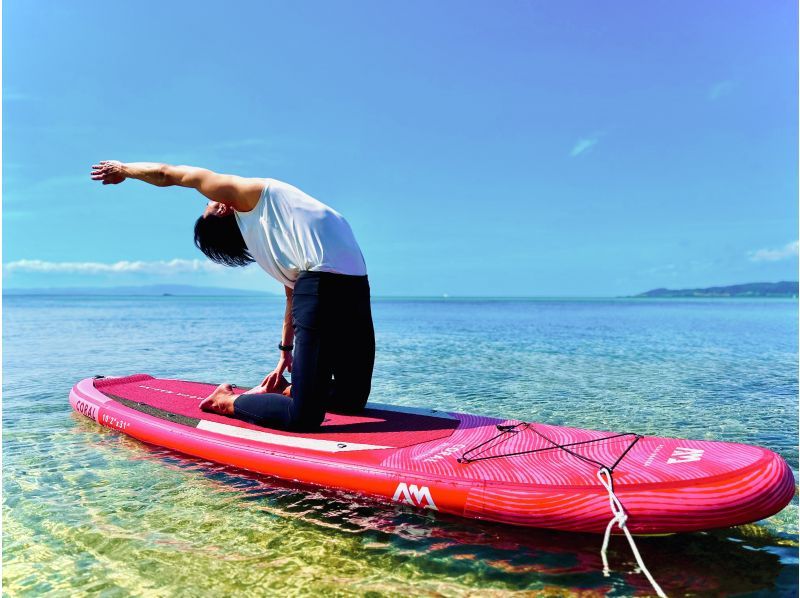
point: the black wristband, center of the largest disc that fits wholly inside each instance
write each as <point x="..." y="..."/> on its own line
<point x="283" y="347"/>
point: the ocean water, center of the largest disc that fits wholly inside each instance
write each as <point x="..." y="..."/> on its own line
<point x="87" y="511"/>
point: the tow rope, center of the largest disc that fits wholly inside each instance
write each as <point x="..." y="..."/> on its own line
<point x="604" y="474"/>
<point x="620" y="518"/>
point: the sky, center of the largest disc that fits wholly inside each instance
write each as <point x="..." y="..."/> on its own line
<point x="476" y="148"/>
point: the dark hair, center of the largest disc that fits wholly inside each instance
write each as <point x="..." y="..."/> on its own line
<point x="221" y="240"/>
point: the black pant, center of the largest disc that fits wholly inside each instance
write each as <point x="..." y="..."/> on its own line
<point x="334" y="352"/>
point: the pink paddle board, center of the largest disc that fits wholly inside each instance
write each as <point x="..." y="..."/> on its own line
<point x="524" y="474"/>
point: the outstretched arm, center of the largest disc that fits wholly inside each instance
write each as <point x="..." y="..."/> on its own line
<point x="240" y="193"/>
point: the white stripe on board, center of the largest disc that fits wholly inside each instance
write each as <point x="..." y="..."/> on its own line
<point x="314" y="444"/>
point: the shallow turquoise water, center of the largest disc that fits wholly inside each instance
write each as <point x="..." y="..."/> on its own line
<point x="86" y="510"/>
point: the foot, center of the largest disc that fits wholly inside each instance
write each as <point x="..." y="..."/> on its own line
<point x="220" y="401"/>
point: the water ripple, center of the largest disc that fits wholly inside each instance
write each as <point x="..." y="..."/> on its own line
<point x="88" y="511"/>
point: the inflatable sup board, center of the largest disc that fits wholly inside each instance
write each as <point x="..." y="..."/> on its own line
<point x="524" y="474"/>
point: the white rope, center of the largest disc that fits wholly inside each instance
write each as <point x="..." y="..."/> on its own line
<point x="604" y="475"/>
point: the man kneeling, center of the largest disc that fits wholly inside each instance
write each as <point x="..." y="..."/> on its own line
<point x="328" y="341"/>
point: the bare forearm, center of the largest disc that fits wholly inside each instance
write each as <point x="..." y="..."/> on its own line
<point x="149" y="172"/>
<point x="164" y="175"/>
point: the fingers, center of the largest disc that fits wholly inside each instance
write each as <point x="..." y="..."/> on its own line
<point x="109" y="175"/>
<point x="104" y="167"/>
<point x="271" y="385"/>
<point x="99" y="173"/>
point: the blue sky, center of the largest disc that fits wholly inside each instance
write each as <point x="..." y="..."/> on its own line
<point x="477" y="148"/>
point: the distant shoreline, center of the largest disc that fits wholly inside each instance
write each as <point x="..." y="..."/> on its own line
<point x="783" y="289"/>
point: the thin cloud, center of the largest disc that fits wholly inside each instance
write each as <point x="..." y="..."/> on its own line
<point x="158" y="268"/>
<point x="21" y="189"/>
<point x="56" y="183"/>
<point x="250" y="153"/>
<point x="720" y="89"/>
<point x="667" y="269"/>
<point x="240" y="143"/>
<point x="775" y="255"/>
<point x="584" y="145"/>
<point x="17" y="96"/>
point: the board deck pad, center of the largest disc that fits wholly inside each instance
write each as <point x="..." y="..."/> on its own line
<point x="386" y="428"/>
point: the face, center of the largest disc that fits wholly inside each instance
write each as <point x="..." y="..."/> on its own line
<point x="214" y="208"/>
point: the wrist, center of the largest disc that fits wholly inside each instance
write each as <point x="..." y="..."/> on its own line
<point x="285" y="347"/>
<point x="127" y="171"/>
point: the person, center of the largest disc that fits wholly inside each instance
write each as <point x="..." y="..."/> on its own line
<point x="328" y="340"/>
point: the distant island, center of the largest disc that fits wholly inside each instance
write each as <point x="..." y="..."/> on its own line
<point x="155" y="290"/>
<point x="751" y="289"/>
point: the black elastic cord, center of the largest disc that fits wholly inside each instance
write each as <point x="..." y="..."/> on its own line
<point x="516" y="428"/>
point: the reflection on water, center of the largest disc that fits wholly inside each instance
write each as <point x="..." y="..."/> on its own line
<point x="88" y="510"/>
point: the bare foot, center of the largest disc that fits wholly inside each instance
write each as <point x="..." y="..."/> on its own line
<point x="220" y="401"/>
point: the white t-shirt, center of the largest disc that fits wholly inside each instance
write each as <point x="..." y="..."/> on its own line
<point x="289" y="232"/>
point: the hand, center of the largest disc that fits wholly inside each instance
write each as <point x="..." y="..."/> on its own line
<point x="108" y="171"/>
<point x="273" y="381"/>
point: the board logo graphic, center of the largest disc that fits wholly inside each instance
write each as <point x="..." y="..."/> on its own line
<point x="450" y="450"/>
<point x="87" y="409"/>
<point x="685" y="455"/>
<point x="653" y="455"/>
<point x="410" y="494"/>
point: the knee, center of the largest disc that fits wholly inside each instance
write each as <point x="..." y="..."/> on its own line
<point x="352" y="401"/>
<point x="302" y="420"/>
